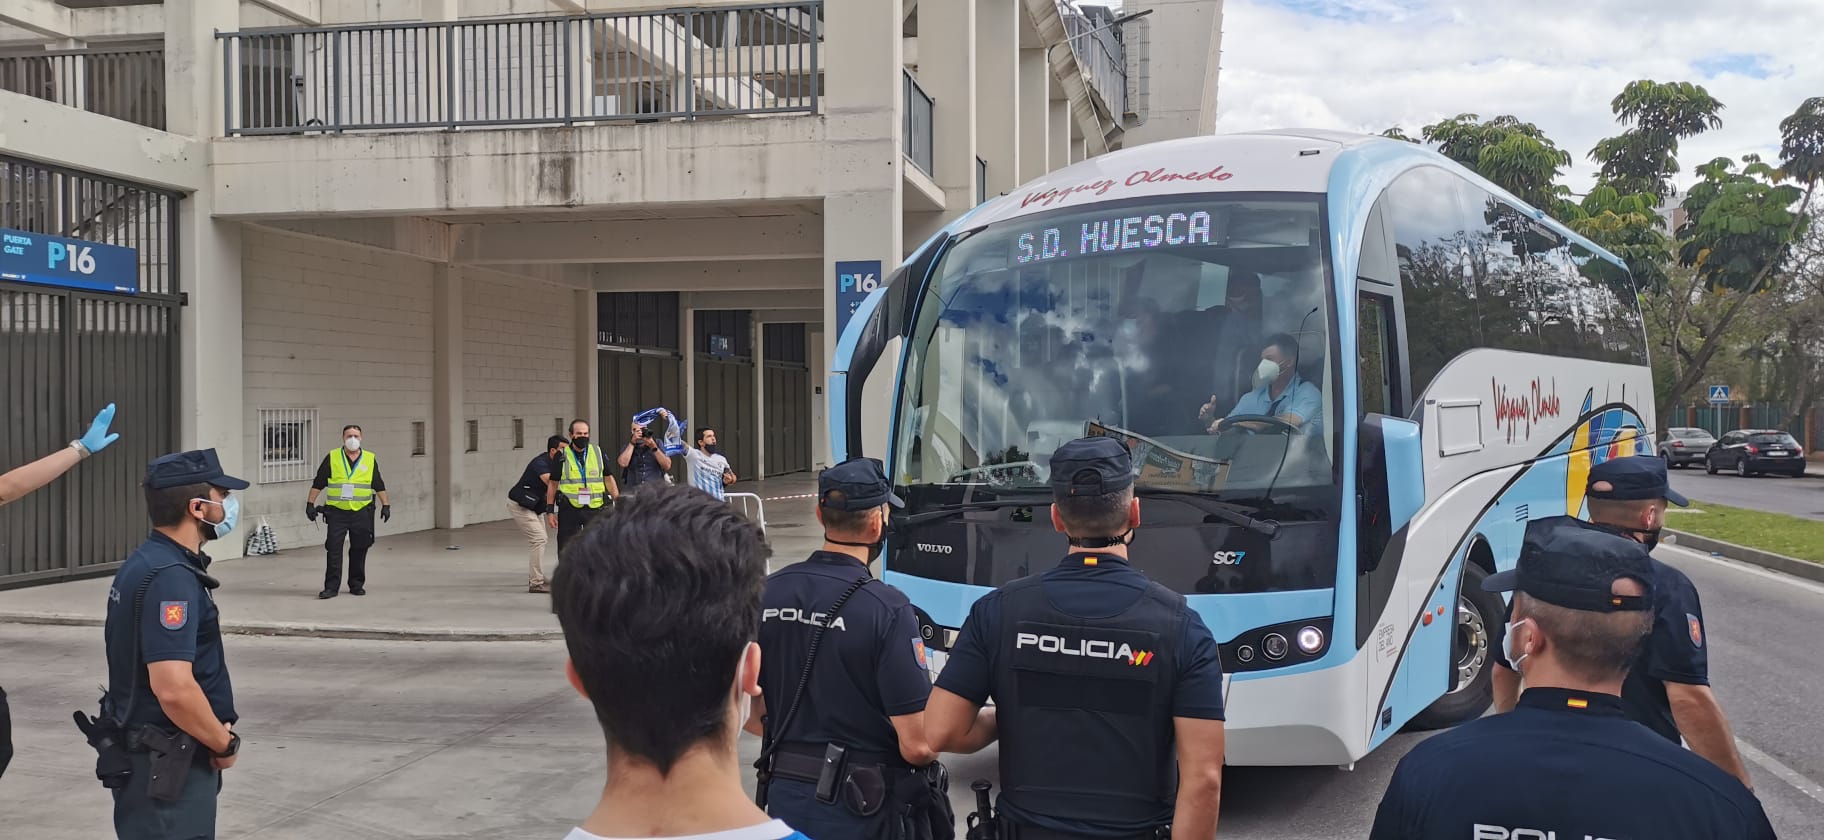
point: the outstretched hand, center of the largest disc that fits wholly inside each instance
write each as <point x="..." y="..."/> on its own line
<point x="98" y="437"/>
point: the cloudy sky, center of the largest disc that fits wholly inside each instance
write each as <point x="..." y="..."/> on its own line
<point x="1366" y="65"/>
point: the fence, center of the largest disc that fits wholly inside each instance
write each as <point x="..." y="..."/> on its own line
<point x="1102" y="53"/>
<point x="918" y="127"/>
<point x="66" y="353"/>
<point x="641" y="66"/>
<point x="1728" y="417"/>
<point x="126" y="84"/>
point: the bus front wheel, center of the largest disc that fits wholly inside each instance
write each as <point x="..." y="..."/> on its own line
<point x="1479" y="618"/>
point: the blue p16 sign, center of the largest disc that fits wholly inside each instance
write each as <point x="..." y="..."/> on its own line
<point x="72" y="263"/>
<point x="854" y="280"/>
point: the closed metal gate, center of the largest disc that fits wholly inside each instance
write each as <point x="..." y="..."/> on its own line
<point x="64" y="354"/>
<point x="725" y="385"/>
<point x="788" y="400"/>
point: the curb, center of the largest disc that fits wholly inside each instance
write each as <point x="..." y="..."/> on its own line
<point x="1752" y="556"/>
<point x="319" y="631"/>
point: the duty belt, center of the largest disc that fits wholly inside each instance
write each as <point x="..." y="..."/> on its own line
<point x="803" y="762"/>
<point x="1019" y="831"/>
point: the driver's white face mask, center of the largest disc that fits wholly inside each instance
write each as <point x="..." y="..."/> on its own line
<point x="1267" y="372"/>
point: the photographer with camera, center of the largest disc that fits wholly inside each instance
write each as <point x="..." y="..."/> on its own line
<point x="641" y="459"/>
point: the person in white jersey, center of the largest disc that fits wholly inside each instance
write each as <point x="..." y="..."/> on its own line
<point x="709" y="469"/>
<point x="671" y="712"/>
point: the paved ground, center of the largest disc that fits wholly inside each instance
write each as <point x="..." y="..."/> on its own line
<point x="1773" y="493"/>
<point x="354" y="738"/>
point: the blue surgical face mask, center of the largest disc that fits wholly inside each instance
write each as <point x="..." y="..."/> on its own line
<point x="231" y="514"/>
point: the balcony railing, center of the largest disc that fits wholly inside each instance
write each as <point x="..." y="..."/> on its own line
<point x="645" y="66"/>
<point x="918" y="110"/>
<point x="126" y="84"/>
<point x="1103" y="55"/>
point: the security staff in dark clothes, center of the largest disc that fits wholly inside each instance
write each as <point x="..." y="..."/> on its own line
<point x="1668" y="687"/>
<point x="169" y="703"/>
<point x="863" y="703"/>
<point x="580" y="485"/>
<point x="352" y="477"/>
<point x="1567" y="762"/>
<point x="1098" y="674"/>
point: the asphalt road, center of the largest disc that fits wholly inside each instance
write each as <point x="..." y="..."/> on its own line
<point x="1772" y="493"/>
<point x="366" y="739"/>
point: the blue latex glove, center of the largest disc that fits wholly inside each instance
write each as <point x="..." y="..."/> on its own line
<point x="98" y="438"/>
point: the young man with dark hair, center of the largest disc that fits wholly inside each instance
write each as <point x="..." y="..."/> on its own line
<point x="351" y="475"/>
<point x="865" y="698"/>
<point x="1668" y="689"/>
<point x="670" y="686"/>
<point x="1567" y="762"/>
<point x="1153" y="684"/>
<point x="169" y="697"/>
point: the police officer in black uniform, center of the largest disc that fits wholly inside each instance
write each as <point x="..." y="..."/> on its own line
<point x="1567" y="762"/>
<point x="169" y="703"/>
<point x="842" y="736"/>
<point x="1098" y="674"/>
<point x="1668" y="687"/>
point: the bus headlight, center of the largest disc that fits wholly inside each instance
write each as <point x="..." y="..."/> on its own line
<point x="1274" y="645"/>
<point x="1310" y="640"/>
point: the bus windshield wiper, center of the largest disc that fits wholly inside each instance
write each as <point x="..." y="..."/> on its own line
<point x="946" y="511"/>
<point x="1229" y="512"/>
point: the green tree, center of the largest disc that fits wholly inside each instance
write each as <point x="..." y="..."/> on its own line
<point x="1514" y="154"/>
<point x="1643" y="158"/>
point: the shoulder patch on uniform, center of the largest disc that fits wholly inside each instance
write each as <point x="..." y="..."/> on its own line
<point x="918" y="652"/>
<point x="173" y="615"/>
<point x="1697" y="629"/>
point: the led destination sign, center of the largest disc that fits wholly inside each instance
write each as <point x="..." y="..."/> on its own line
<point x="1122" y="233"/>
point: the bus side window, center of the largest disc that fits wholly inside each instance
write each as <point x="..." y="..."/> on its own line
<point x="1375" y="355"/>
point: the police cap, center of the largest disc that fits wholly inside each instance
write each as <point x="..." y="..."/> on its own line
<point x="1091" y="466"/>
<point x="1568" y="563"/>
<point x="862" y="483"/>
<point x="1634" y="478"/>
<point x="198" y="466"/>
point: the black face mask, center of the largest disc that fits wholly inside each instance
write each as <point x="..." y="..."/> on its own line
<point x="874" y="548"/>
<point x="580" y="443"/>
<point x="1650" y="537"/>
<point x="1122" y="538"/>
<point x="709" y="448"/>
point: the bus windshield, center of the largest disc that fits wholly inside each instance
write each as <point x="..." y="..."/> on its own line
<point x="1195" y="328"/>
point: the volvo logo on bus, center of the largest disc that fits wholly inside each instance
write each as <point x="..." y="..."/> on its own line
<point x="1229" y="558"/>
<point x="935" y="548"/>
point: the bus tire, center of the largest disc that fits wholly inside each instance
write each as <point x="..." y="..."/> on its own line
<point x="1480" y="615"/>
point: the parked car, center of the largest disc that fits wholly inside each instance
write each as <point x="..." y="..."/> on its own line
<point x="1684" y="446"/>
<point x="1756" y="451"/>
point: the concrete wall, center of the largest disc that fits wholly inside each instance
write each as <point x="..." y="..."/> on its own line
<point x="516" y="363"/>
<point x="346" y="331"/>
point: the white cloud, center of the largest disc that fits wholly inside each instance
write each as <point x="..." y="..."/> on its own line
<point x="1367" y="65"/>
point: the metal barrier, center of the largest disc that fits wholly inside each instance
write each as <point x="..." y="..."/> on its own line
<point x="636" y="66"/>
<point x="126" y="84"/>
<point x="919" y="109"/>
<point x="759" y="509"/>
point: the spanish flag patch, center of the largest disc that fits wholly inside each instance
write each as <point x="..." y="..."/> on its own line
<point x="1577" y="703"/>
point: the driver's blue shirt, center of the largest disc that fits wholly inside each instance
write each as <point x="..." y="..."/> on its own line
<point x="1300" y="398"/>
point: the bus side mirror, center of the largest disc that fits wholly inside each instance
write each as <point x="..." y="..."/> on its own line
<point x="1390" y="483"/>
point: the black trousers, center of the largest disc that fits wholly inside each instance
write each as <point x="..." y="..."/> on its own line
<point x="571" y="520"/>
<point x="137" y="816"/>
<point x="358" y="527"/>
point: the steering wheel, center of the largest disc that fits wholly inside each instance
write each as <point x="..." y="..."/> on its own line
<point x="1277" y="426"/>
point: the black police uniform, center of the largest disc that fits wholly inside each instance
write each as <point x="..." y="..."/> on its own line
<point x="870" y="667"/>
<point x="1088" y="663"/>
<point x="1565" y="761"/>
<point x="1675" y="651"/>
<point x="178" y="621"/>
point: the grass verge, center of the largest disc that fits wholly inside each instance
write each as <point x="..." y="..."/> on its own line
<point x="1775" y="532"/>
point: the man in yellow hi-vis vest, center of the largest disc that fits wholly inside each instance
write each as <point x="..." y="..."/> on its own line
<point x="352" y="477"/>
<point x="580" y="485"/>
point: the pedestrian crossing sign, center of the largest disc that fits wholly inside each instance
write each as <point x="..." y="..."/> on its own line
<point x="1719" y="393"/>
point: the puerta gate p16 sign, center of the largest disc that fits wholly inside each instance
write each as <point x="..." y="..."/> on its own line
<point x="71" y="263"/>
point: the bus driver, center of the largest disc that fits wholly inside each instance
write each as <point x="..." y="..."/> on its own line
<point x="1280" y="393"/>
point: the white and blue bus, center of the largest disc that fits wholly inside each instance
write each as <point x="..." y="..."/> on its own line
<point x="1455" y="362"/>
